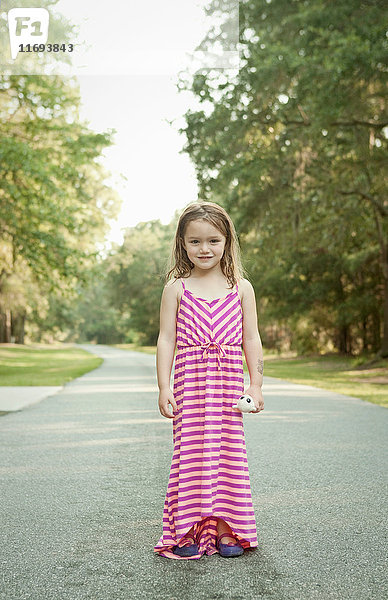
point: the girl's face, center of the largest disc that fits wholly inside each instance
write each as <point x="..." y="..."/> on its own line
<point x="204" y="244"/>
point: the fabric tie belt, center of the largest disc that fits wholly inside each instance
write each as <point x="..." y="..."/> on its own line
<point x="219" y="347"/>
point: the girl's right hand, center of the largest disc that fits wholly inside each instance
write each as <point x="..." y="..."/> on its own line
<point x="166" y="397"/>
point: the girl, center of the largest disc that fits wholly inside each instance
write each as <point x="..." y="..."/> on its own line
<point x="208" y="506"/>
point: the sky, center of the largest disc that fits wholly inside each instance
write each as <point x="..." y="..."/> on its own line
<point x="128" y="75"/>
<point x="158" y="179"/>
<point x="127" y="56"/>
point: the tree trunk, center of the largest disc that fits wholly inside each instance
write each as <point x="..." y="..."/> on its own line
<point x="344" y="345"/>
<point x="18" y="324"/>
<point x="2" y="327"/>
<point x="384" y="267"/>
<point x="7" y="326"/>
<point x="364" y="334"/>
<point x="376" y="326"/>
<point x="384" y="346"/>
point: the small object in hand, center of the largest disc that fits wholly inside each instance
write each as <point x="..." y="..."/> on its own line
<point x="245" y="404"/>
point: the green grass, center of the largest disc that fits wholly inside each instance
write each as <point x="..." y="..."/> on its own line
<point x="43" y="364"/>
<point x="135" y="348"/>
<point x="345" y="375"/>
<point x="352" y="376"/>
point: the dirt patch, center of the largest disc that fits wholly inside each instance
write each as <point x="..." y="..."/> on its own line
<point x="371" y="380"/>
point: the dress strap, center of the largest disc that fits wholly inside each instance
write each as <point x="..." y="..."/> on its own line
<point x="236" y="286"/>
<point x="183" y="284"/>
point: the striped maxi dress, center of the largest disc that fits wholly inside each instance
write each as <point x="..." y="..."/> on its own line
<point x="209" y="475"/>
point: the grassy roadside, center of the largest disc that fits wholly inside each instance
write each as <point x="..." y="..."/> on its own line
<point x="43" y="364"/>
<point x="342" y="374"/>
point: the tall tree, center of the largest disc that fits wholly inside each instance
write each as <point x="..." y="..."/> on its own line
<point x="294" y="147"/>
<point x="54" y="202"/>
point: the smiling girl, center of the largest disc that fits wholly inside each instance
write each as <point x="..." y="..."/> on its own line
<point x="208" y="310"/>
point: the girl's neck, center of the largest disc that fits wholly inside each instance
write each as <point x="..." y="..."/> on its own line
<point x="210" y="276"/>
<point x="208" y="285"/>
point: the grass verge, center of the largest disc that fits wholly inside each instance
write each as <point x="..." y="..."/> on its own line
<point x="341" y="374"/>
<point x="42" y="364"/>
<point x="352" y="376"/>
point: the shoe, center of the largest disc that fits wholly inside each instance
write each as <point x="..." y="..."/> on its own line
<point x="189" y="549"/>
<point x="230" y="549"/>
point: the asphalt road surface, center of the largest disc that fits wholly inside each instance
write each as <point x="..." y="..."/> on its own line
<point x="84" y="475"/>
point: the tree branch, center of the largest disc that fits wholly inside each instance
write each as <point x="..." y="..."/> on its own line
<point x="380" y="207"/>
<point x="377" y="125"/>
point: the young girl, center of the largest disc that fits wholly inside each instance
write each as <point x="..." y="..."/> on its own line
<point x="208" y="311"/>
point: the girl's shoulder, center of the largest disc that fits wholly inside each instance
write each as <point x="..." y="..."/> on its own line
<point x="247" y="293"/>
<point x="174" y="287"/>
<point x="244" y="287"/>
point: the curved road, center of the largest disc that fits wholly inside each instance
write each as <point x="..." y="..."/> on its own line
<point x="84" y="474"/>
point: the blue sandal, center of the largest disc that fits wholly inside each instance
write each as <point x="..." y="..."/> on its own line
<point x="187" y="549"/>
<point x="228" y="550"/>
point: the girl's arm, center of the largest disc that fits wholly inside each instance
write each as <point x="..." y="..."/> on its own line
<point x="165" y="348"/>
<point x="253" y="349"/>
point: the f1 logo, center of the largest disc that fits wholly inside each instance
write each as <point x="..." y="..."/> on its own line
<point x="27" y="26"/>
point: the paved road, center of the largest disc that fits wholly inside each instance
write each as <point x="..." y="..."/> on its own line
<point x="18" y="397"/>
<point x="84" y="475"/>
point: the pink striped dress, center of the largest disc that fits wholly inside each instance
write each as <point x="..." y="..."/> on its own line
<point x="209" y="475"/>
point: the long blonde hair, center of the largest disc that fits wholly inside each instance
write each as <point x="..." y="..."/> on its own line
<point x="231" y="266"/>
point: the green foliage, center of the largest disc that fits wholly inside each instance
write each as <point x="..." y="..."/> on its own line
<point x="54" y="202"/>
<point x="52" y="197"/>
<point x="293" y="147"/>
<point x="94" y="318"/>
<point x="119" y="300"/>
<point x="136" y="276"/>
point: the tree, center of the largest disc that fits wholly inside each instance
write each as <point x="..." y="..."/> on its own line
<point x="293" y="147"/>
<point x="54" y="203"/>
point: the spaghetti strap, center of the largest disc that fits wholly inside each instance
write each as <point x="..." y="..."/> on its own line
<point x="183" y="284"/>
<point x="236" y="286"/>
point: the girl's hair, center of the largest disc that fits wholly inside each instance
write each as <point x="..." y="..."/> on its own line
<point x="217" y="216"/>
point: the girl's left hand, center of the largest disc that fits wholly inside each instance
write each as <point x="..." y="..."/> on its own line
<point x="257" y="395"/>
